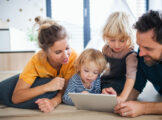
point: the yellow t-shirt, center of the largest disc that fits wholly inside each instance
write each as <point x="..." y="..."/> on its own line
<point x="38" y="66"/>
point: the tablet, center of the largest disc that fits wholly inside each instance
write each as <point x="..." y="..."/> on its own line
<point x="95" y="102"/>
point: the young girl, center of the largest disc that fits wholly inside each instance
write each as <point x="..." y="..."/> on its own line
<point x="41" y="83"/>
<point x="89" y="65"/>
<point x="118" y="50"/>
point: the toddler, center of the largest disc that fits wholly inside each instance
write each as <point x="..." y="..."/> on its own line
<point x="88" y="66"/>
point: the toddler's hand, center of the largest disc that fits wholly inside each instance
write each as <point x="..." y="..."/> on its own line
<point x="84" y="92"/>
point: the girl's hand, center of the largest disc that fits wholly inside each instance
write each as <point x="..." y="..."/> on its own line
<point x="55" y="84"/>
<point x="120" y="99"/>
<point x="109" y="91"/>
<point x="84" y="92"/>
<point x="46" y="105"/>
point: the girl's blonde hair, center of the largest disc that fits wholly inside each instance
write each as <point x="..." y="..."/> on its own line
<point x="118" y="25"/>
<point x="91" y="55"/>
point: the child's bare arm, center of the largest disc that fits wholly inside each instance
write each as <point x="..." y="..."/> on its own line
<point x="129" y="83"/>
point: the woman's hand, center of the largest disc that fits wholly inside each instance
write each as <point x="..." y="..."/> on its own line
<point x="46" y="105"/>
<point x="55" y="84"/>
<point x="109" y="91"/>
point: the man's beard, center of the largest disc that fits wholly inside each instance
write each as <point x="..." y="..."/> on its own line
<point x="153" y="61"/>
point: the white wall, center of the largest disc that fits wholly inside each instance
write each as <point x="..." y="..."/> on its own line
<point x="19" y="15"/>
<point x="5" y="37"/>
<point x="155" y="4"/>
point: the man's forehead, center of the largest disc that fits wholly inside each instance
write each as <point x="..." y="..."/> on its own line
<point x="144" y="40"/>
<point x="147" y="40"/>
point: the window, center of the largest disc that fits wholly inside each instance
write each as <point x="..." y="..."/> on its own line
<point x="138" y="7"/>
<point x="100" y="10"/>
<point x="69" y="13"/>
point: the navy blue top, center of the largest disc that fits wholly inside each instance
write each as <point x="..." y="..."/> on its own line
<point x="75" y="85"/>
<point x="151" y="73"/>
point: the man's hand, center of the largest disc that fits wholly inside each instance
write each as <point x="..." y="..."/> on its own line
<point x="130" y="108"/>
<point x="46" y="105"/>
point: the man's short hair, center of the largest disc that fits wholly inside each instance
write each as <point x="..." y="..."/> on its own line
<point x="151" y="20"/>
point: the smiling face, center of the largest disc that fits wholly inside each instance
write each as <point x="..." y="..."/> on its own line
<point x="117" y="44"/>
<point x="149" y="48"/>
<point x="59" y="53"/>
<point x="89" y="72"/>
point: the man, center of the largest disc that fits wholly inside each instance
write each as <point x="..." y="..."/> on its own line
<point x="149" y="39"/>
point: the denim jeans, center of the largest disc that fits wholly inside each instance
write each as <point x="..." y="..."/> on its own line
<point x="7" y="87"/>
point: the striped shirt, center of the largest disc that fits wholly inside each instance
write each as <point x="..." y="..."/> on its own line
<point x="75" y="85"/>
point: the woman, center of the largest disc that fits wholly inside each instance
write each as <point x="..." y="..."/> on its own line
<point x="43" y="80"/>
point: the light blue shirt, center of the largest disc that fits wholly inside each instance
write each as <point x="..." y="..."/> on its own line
<point x="75" y="85"/>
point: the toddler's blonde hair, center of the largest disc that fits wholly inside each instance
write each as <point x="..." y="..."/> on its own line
<point x="91" y="55"/>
